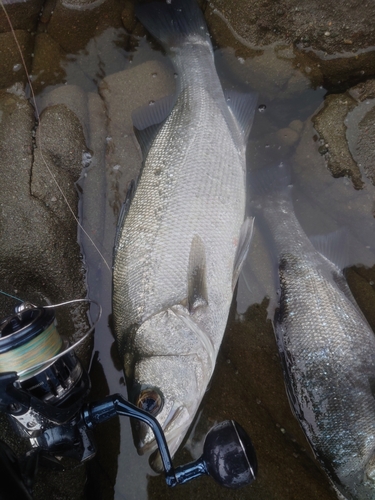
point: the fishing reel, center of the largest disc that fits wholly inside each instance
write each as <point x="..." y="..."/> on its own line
<point x="43" y="391"/>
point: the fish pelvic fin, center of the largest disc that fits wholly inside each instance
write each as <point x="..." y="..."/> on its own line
<point x="242" y="248"/>
<point x="171" y="23"/>
<point x="197" y="285"/>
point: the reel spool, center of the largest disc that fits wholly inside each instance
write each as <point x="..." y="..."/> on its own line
<point x="28" y="341"/>
<point x="42" y="382"/>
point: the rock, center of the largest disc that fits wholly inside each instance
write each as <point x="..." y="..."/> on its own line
<point x="330" y="125"/>
<point x="12" y="69"/>
<point x="318" y="33"/>
<point x="365" y="150"/>
<point x="60" y="147"/>
<point x="346" y="129"/>
<point x="145" y="83"/>
<point x="361" y="128"/>
<point x="47" y="68"/>
<point x="23" y="15"/>
<point x="72" y="27"/>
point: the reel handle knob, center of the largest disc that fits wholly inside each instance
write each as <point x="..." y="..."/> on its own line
<point x="229" y="455"/>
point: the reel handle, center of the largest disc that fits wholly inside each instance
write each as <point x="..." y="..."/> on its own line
<point x="228" y="454"/>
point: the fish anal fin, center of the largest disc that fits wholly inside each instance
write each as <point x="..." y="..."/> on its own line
<point x="197" y="285"/>
<point x="242" y="248"/>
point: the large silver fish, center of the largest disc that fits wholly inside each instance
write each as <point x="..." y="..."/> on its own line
<point x="182" y="236"/>
<point x="325" y="343"/>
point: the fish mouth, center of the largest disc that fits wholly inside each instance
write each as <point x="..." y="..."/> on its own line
<point x="174" y="429"/>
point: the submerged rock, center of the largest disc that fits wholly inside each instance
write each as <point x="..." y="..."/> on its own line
<point x="346" y="129"/>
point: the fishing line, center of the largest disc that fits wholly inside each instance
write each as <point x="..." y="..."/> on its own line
<point x="40" y="140"/>
<point x="11" y="296"/>
<point x="37" y="344"/>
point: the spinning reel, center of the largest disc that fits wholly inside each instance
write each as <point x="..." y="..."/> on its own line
<point x="43" y="388"/>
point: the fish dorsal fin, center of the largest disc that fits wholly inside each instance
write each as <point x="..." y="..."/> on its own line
<point x="197" y="286"/>
<point x="123" y="213"/>
<point x="242" y="248"/>
<point x="243" y="109"/>
<point x="333" y="246"/>
<point x="148" y="120"/>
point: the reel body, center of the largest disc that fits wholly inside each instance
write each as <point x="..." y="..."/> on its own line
<point x="43" y="398"/>
<point x="43" y="389"/>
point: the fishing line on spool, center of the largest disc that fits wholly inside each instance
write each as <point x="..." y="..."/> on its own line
<point x="30" y="341"/>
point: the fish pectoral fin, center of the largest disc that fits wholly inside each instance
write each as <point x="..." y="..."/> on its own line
<point x="243" y="109"/>
<point x="148" y="120"/>
<point x="197" y="286"/>
<point x="123" y="212"/>
<point x="242" y="248"/>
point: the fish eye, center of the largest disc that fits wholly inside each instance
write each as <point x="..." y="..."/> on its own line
<point x="151" y="401"/>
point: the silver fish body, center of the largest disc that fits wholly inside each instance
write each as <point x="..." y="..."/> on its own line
<point x="327" y="349"/>
<point x="180" y="246"/>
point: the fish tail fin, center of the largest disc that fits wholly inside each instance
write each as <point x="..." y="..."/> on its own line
<point x="173" y="22"/>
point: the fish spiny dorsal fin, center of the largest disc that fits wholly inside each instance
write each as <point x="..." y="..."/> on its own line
<point x="197" y="286"/>
<point x="242" y="248"/>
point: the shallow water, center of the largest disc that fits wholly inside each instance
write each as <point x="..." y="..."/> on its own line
<point x="247" y="384"/>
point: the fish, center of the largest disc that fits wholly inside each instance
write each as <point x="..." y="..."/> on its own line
<point x="183" y="234"/>
<point x="326" y="345"/>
